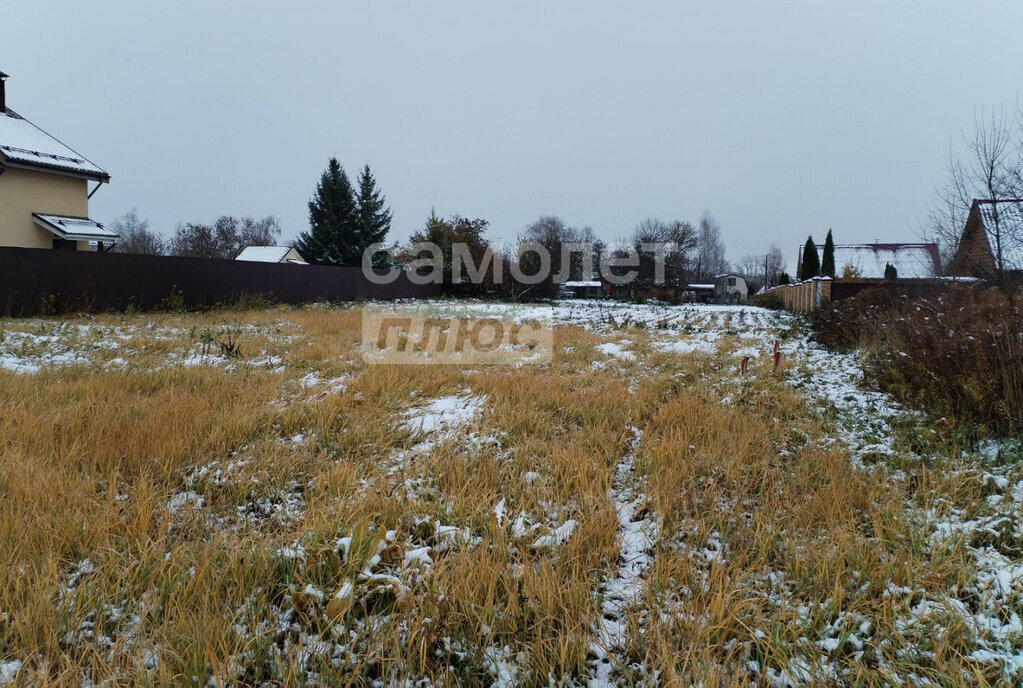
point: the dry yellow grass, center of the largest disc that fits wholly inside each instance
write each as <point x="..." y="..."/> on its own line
<point x="167" y="524"/>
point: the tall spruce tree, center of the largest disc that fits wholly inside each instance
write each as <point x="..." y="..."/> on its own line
<point x="332" y="238"/>
<point x="373" y="217"/>
<point x="828" y="259"/>
<point x="811" y="266"/>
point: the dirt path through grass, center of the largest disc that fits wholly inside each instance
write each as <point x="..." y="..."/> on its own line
<point x="637" y="533"/>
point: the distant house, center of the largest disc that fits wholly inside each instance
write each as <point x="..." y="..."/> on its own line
<point x="44" y="188"/>
<point x="978" y="247"/>
<point x="868" y="261"/>
<point x="272" y="254"/>
<point x="730" y="288"/>
<point x="583" y="289"/>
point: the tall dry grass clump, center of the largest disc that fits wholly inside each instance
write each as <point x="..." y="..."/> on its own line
<point x="958" y="353"/>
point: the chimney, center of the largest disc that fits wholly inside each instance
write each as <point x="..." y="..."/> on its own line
<point x="3" y="96"/>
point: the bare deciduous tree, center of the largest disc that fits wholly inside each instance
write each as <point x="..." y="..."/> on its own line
<point x="946" y="218"/>
<point x="775" y="262"/>
<point x="136" y="237"/>
<point x="711" y="249"/>
<point x="672" y="242"/>
<point x="992" y="170"/>
<point x="262" y="232"/>
<point x="752" y="268"/>
<point x="225" y="238"/>
<point x="762" y="270"/>
<point x="193" y="240"/>
<point x="555" y="237"/>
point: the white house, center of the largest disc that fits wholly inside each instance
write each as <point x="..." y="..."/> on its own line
<point x="730" y="287"/>
<point x="272" y="254"/>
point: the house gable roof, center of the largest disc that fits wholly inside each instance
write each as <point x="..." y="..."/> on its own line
<point x="1005" y="216"/>
<point x="911" y="261"/>
<point x="271" y="254"/>
<point x="23" y="144"/>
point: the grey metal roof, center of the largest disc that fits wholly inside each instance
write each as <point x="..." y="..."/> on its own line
<point x="74" y="228"/>
<point x="24" y="144"/>
<point x="269" y="254"/>
<point x="911" y="260"/>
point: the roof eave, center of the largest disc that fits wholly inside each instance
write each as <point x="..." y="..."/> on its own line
<point x="89" y="237"/>
<point x="101" y="177"/>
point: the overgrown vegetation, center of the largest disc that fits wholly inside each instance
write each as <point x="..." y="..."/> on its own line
<point x="236" y="499"/>
<point x="958" y="354"/>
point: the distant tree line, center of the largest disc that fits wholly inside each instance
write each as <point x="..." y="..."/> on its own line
<point x="343" y="222"/>
<point x="765" y="270"/>
<point x="672" y="253"/>
<point x="224" y="238"/>
<point x="346" y="219"/>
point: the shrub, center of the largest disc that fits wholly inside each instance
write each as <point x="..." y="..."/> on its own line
<point x="771" y="300"/>
<point x="958" y="353"/>
<point x="174" y="302"/>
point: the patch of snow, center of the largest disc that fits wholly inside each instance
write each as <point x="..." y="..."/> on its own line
<point x="440" y="420"/>
<point x="418" y="556"/>
<point x="444" y="414"/>
<point x="498" y="662"/>
<point x="636" y="538"/>
<point x="183" y="500"/>
<point x="345" y="591"/>
<point x="9" y="671"/>
<point x="616" y="350"/>
<point x="686" y="346"/>
<point x="557" y="537"/>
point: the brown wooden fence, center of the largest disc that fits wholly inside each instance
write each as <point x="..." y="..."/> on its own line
<point x="813" y="294"/>
<point x="32" y="280"/>
<point x="803" y="297"/>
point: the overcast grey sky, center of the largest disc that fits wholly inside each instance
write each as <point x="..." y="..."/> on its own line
<point x="781" y="118"/>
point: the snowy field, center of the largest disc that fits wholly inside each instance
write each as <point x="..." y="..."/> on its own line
<point x="237" y="499"/>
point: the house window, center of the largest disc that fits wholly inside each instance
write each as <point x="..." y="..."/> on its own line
<point x="65" y="245"/>
<point x="731" y="281"/>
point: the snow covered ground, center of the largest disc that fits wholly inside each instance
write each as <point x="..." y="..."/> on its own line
<point x="874" y="431"/>
<point x="40" y="346"/>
